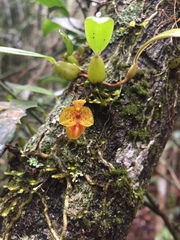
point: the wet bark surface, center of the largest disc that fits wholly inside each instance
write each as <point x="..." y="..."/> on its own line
<point x="91" y="188"/>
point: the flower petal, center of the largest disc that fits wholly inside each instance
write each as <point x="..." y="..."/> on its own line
<point x="68" y="117"/>
<point x="78" y="104"/>
<point x="75" y="131"/>
<point x="86" y="117"/>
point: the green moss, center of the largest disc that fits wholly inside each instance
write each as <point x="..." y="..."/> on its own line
<point x="130" y="109"/>
<point x="139" y="135"/>
<point x="145" y="84"/>
<point x="127" y="15"/>
<point x="123" y="182"/>
<point x="127" y="193"/>
<point x="87" y="223"/>
<point x="118" y="220"/>
<point x="138" y="194"/>
<point x="142" y="88"/>
<point x="119" y="172"/>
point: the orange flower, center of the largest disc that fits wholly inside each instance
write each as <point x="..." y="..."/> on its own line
<point x="76" y="118"/>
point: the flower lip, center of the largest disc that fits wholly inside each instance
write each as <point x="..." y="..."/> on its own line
<point x="75" y="131"/>
<point x="78" y="115"/>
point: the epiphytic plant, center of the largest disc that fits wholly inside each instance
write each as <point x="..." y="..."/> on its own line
<point x="98" y="32"/>
<point x="96" y="29"/>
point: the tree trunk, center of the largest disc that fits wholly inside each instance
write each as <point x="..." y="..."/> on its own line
<point x="91" y="188"/>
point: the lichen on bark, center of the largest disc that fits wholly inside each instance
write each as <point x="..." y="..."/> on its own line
<point x="91" y="188"/>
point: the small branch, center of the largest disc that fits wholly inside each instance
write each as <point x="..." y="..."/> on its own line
<point x="174" y="177"/>
<point x="83" y="10"/>
<point x="155" y="208"/>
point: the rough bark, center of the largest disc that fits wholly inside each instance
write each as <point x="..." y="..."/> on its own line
<point x="91" y="188"/>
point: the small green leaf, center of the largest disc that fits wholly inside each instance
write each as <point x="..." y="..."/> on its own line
<point x="98" y="32"/>
<point x="34" y="89"/>
<point x="51" y="3"/>
<point x="23" y="104"/>
<point x="21" y="52"/>
<point x="54" y="79"/>
<point x="55" y="4"/>
<point x="167" y="34"/>
<point x="67" y="42"/>
<point x="49" y="26"/>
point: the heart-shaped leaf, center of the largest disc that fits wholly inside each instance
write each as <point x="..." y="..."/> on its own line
<point x="98" y="32"/>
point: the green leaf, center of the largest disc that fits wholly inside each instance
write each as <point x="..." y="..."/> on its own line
<point x="98" y="32"/>
<point x="54" y="79"/>
<point x="21" y="52"/>
<point x="49" y="26"/>
<point x="55" y="4"/>
<point x="167" y="34"/>
<point x="67" y="42"/>
<point x="51" y="3"/>
<point x="23" y="104"/>
<point x="34" y="89"/>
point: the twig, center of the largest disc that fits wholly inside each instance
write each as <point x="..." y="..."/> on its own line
<point x="155" y="208"/>
<point x="174" y="177"/>
<point x="171" y="182"/>
<point x="83" y="10"/>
